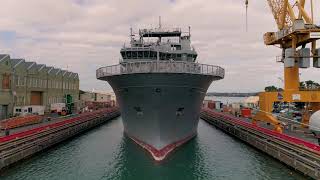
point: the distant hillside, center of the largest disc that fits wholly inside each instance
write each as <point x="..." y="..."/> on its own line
<point x="232" y="94"/>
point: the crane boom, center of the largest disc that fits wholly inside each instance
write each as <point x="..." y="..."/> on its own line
<point x="280" y="13"/>
<point x="295" y="29"/>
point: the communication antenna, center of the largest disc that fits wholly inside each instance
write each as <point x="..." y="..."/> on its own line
<point x="247" y="2"/>
<point x="189" y="31"/>
<point x="159" y="22"/>
<point x="131" y="34"/>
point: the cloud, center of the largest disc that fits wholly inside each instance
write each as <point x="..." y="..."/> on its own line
<point x="82" y="35"/>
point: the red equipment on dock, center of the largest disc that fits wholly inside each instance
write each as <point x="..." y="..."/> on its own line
<point x="246" y="113"/>
<point x="301" y="155"/>
<point x="83" y="117"/>
<point x="20" y="121"/>
<point x="239" y="122"/>
<point x="25" y="143"/>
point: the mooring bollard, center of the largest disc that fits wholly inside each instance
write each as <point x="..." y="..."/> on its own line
<point x="6" y="132"/>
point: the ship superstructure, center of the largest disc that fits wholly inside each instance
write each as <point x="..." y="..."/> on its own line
<point x="160" y="88"/>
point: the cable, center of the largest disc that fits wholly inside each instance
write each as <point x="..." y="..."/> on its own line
<point x="247" y="2"/>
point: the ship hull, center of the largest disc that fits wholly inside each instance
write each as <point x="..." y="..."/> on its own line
<point x="160" y="111"/>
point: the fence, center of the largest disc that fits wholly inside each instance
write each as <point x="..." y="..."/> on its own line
<point x="160" y="67"/>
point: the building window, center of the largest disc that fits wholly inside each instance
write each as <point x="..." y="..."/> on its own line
<point x="24" y="81"/>
<point x="5" y="81"/>
<point x="34" y="82"/>
<point x="20" y="100"/>
<point x="20" y="81"/>
<point x="16" y="79"/>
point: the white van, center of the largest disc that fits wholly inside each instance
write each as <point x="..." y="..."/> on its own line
<point x="25" y="110"/>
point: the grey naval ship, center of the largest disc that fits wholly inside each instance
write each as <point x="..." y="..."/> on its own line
<point x="160" y="87"/>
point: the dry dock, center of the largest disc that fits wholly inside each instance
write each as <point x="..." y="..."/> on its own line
<point x="20" y="145"/>
<point x="296" y="153"/>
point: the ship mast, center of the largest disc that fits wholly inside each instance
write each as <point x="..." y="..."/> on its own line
<point x="131" y="35"/>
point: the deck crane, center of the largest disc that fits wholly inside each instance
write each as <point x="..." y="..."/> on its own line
<point x="296" y="30"/>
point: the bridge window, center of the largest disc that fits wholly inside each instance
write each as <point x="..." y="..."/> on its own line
<point x="162" y="56"/>
<point x="123" y="54"/>
<point x="175" y="47"/>
<point x="174" y="56"/>
<point x="134" y="54"/>
<point x="128" y="53"/>
<point x="184" y="57"/>
<point x="140" y="54"/>
<point x="153" y="55"/>
<point x="146" y="54"/>
<point x="168" y="56"/>
<point x="178" y="57"/>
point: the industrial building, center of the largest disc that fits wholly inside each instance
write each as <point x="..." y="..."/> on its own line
<point x="98" y="96"/>
<point x="96" y="99"/>
<point x="26" y="83"/>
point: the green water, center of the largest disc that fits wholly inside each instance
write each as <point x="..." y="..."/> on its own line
<point x="104" y="153"/>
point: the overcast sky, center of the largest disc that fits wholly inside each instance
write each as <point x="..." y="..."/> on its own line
<point x="83" y="35"/>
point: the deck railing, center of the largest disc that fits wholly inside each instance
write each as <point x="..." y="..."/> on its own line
<point x="160" y="67"/>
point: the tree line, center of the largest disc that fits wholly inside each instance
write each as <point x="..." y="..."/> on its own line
<point x="303" y="85"/>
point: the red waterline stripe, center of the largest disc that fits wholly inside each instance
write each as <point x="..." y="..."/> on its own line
<point x="288" y="138"/>
<point x="82" y="117"/>
<point x="161" y="154"/>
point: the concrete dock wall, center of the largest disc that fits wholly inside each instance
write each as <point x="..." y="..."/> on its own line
<point x="14" y="150"/>
<point x="298" y="156"/>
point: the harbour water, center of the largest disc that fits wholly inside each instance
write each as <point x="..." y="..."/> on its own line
<point x="105" y="153"/>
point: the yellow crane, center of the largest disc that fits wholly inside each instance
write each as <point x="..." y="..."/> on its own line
<point x="296" y="31"/>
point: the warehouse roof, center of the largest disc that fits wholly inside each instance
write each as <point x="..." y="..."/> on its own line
<point x="39" y="67"/>
<point x="16" y="62"/>
<point x="3" y="57"/>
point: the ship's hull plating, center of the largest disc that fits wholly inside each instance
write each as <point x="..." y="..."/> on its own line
<point x="160" y="111"/>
